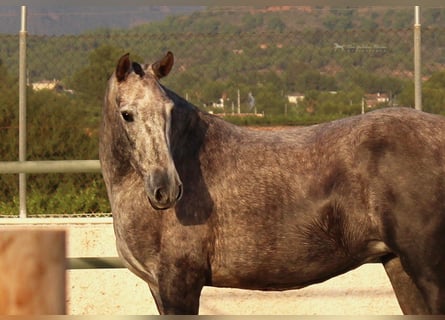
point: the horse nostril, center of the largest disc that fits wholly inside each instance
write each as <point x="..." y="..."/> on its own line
<point x="159" y="194"/>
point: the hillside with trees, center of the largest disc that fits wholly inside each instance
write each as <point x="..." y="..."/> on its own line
<point x="270" y="52"/>
<point x="334" y="57"/>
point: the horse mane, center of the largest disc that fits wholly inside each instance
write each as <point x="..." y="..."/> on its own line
<point x="194" y="113"/>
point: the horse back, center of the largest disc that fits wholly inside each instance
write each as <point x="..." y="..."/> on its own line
<point x="316" y="201"/>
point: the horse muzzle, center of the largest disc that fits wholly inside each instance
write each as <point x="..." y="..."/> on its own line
<point x="163" y="190"/>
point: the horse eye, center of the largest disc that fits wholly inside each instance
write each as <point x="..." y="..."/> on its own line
<point x="127" y="116"/>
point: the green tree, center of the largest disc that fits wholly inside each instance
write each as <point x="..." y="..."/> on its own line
<point x="276" y="24"/>
<point x="8" y="116"/>
<point x="252" y="21"/>
<point x="314" y="80"/>
<point x="90" y="82"/>
<point x="433" y="93"/>
<point x="57" y="128"/>
<point x="372" y="83"/>
<point x="406" y="96"/>
<point x="339" y="19"/>
<point x="436" y="81"/>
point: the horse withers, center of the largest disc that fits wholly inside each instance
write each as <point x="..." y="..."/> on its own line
<point x="197" y="201"/>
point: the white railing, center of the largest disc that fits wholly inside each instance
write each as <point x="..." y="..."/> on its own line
<point x="56" y="166"/>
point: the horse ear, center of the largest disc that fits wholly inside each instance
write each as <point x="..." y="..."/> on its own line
<point x="163" y="67"/>
<point x="123" y="67"/>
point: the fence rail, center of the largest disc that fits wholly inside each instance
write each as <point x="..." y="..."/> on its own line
<point x="56" y="166"/>
<point x="94" y="263"/>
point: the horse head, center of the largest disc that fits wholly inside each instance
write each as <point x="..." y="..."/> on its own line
<point x="142" y="112"/>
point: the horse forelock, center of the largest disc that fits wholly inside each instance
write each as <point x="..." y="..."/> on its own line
<point x="111" y="93"/>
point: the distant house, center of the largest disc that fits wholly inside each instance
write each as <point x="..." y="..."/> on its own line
<point x="45" y="85"/>
<point x="219" y="104"/>
<point x="295" y="98"/>
<point x="374" y="99"/>
<point x="50" y="85"/>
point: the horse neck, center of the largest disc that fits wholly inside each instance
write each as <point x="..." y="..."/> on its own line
<point x="192" y="128"/>
<point x="187" y="128"/>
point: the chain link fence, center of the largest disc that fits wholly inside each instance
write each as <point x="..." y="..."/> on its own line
<point x="269" y="54"/>
<point x="382" y="52"/>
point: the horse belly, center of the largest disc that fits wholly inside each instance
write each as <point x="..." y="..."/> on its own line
<point x="270" y="276"/>
<point x="265" y="269"/>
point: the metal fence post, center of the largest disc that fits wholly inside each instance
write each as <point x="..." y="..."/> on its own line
<point x="417" y="62"/>
<point x="22" y="111"/>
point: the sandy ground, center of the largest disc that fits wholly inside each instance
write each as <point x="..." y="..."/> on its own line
<point x="363" y="291"/>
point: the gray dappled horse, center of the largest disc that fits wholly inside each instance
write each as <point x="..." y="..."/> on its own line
<point x="197" y="201"/>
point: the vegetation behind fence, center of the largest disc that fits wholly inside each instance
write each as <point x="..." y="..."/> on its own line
<point x="331" y="60"/>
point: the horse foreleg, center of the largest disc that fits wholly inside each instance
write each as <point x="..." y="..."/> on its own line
<point x="177" y="290"/>
<point x="169" y="303"/>
<point x="157" y="298"/>
<point x="408" y="295"/>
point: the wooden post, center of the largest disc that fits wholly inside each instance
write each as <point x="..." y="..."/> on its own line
<point x="32" y="272"/>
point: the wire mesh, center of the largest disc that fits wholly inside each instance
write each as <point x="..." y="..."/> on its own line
<point x="272" y="54"/>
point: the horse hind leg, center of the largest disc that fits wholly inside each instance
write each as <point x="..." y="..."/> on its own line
<point x="408" y="295"/>
<point x="424" y="265"/>
<point x="431" y="282"/>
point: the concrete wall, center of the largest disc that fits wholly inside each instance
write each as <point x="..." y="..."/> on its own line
<point x="364" y="291"/>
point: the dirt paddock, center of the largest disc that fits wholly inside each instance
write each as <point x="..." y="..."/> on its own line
<point x="363" y="291"/>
